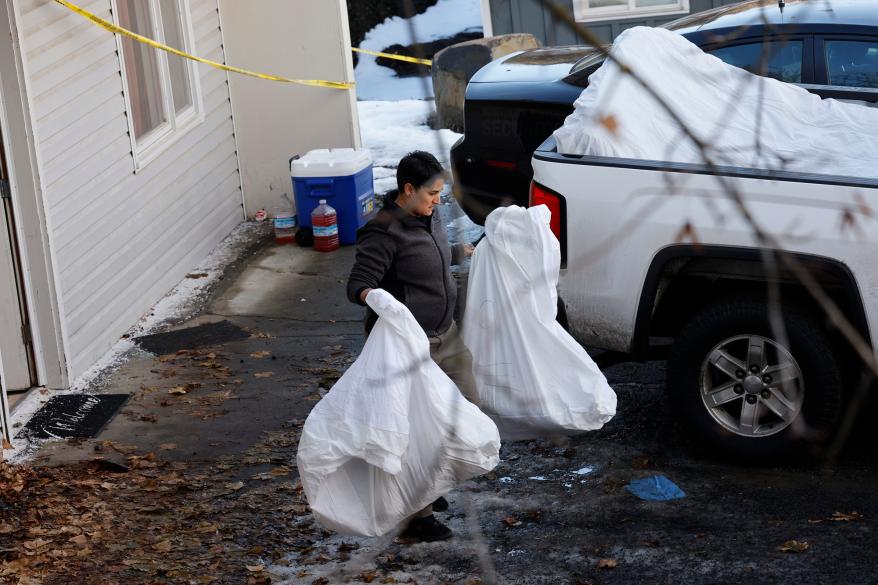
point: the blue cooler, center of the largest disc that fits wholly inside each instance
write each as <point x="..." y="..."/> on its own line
<point x="342" y="176"/>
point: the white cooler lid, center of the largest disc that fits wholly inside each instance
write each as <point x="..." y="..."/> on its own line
<point x="331" y="162"/>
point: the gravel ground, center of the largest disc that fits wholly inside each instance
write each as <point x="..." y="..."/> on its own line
<point x="557" y="512"/>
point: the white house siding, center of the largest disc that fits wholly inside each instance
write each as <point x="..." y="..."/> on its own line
<point x="120" y="240"/>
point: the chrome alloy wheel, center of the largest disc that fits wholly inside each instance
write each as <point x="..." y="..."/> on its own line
<point x="752" y="386"/>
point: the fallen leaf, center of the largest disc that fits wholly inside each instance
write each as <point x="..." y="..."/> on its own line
<point x="640" y="463"/>
<point x="608" y="564"/>
<point x="843" y="517"/>
<point x="168" y="446"/>
<point x="79" y="539"/>
<point x="511" y="521"/>
<point x="260" y="354"/>
<point x="794" y="546"/>
<point x="235" y="486"/>
<point x="6" y="444"/>
<point x="298" y="510"/>
<point x="178" y="390"/>
<point x="35" y="544"/>
<point x="368" y="576"/>
<point x="255" y="568"/>
<point x="264" y="374"/>
<point x="163" y="546"/>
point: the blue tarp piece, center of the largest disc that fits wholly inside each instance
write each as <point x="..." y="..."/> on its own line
<point x="657" y="488"/>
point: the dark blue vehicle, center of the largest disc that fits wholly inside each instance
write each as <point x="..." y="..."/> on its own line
<point x="513" y="104"/>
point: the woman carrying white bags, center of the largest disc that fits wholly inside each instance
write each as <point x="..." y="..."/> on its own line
<point x="395" y="434"/>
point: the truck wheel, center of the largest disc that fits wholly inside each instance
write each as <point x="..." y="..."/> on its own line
<point x="739" y="388"/>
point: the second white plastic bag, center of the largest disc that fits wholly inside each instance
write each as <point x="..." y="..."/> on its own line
<point x="393" y="434"/>
<point x="532" y="377"/>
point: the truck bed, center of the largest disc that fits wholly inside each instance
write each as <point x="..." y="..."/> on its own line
<point x="618" y="215"/>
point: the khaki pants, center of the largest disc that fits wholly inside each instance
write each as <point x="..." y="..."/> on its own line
<point x="452" y="356"/>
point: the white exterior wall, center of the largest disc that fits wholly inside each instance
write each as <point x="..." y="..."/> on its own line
<point x="300" y="39"/>
<point x="120" y="240"/>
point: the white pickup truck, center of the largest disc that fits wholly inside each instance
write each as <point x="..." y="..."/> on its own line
<point x="655" y="251"/>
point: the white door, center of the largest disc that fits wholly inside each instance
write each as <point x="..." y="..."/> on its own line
<point x="16" y="349"/>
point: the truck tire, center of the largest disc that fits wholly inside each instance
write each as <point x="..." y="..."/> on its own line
<point x="744" y="393"/>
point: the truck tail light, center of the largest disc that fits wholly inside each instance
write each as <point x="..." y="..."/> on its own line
<point x="501" y="164"/>
<point x="539" y="195"/>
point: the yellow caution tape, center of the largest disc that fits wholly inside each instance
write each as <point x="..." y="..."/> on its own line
<point x="122" y="31"/>
<point x="426" y="62"/>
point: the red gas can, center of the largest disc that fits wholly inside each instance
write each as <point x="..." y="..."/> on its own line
<point x="325" y="225"/>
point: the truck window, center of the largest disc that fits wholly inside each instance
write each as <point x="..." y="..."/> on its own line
<point x="852" y="63"/>
<point x="780" y="60"/>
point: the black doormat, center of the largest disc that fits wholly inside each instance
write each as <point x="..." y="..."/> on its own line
<point x="72" y="416"/>
<point x="200" y="336"/>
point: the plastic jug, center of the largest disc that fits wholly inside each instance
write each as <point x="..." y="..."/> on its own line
<point x="284" y="226"/>
<point x="325" y="224"/>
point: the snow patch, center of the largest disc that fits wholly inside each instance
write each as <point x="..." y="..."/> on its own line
<point x="443" y="20"/>
<point x="391" y="130"/>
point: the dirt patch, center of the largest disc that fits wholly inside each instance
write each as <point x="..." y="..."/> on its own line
<point x="190" y="337"/>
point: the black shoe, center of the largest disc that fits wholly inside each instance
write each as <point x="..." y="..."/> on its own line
<point x="426" y="529"/>
<point x="440" y="505"/>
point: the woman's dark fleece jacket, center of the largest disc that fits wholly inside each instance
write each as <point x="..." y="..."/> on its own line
<point x="410" y="258"/>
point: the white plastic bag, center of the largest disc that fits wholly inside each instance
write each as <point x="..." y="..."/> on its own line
<point x="726" y="107"/>
<point x="532" y="377"/>
<point x="393" y="434"/>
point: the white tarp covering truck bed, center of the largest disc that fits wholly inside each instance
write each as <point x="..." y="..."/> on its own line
<point x="747" y="120"/>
